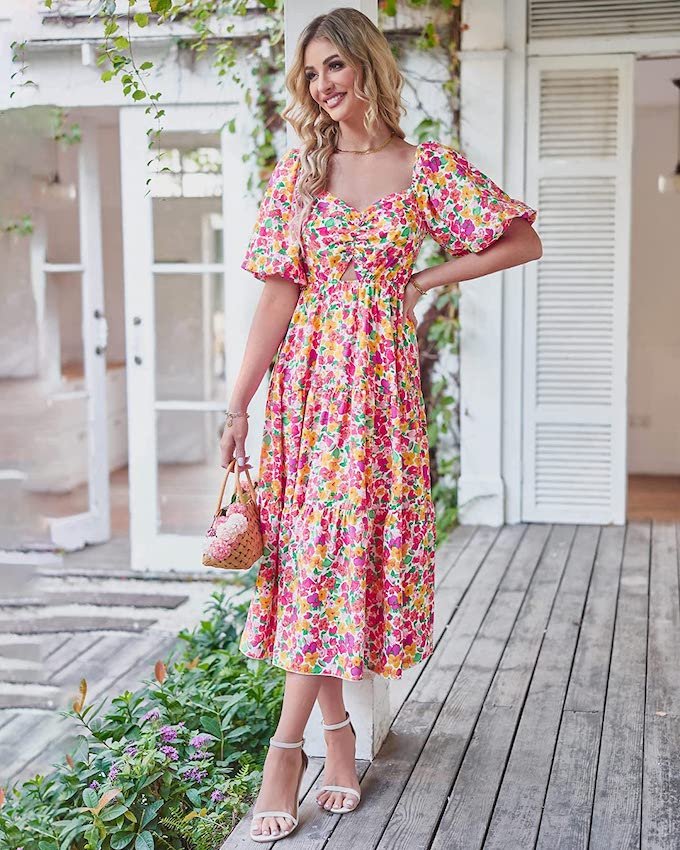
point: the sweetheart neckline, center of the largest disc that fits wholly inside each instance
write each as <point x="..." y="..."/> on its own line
<point x="406" y="191"/>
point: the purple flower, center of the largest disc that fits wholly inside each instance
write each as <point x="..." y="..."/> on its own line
<point x="194" y="774"/>
<point x="154" y="714"/>
<point x="170" y="752"/>
<point x="94" y="784"/>
<point x="199" y="755"/>
<point x="115" y="770"/>
<point x="201" y="739"/>
<point x="217" y="796"/>
<point x="130" y="750"/>
<point x="168" y="734"/>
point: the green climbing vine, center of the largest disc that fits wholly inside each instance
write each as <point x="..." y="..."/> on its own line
<point x="438" y="329"/>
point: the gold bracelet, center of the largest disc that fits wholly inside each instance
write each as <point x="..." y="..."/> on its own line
<point x="230" y="417"/>
<point x="417" y="286"/>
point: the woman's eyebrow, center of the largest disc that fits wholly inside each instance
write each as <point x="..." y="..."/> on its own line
<point x="325" y="61"/>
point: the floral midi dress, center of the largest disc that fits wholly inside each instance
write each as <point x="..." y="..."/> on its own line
<point x="346" y="579"/>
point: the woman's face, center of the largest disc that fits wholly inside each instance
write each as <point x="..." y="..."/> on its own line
<point x="330" y="80"/>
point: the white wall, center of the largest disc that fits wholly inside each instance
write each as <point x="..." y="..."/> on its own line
<point x="654" y="358"/>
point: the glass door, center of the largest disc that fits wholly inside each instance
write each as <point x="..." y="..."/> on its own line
<point x="69" y="450"/>
<point x="175" y="329"/>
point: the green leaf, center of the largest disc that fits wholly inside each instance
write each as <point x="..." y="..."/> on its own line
<point x="139" y="94"/>
<point x="144" y="841"/>
<point x="82" y="746"/>
<point x="119" y="840"/>
<point x="150" y="812"/>
<point x="92" y="836"/>
<point x="90" y="798"/>
<point x="147" y="780"/>
<point x="194" y="796"/>
<point x="141" y="19"/>
<point x="211" y="724"/>
<point x="145" y="66"/>
<point x="113" y="812"/>
<point x="240" y="732"/>
<point x="107" y="75"/>
<point x="121" y="43"/>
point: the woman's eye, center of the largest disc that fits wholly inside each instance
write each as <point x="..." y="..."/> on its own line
<point x="334" y="66"/>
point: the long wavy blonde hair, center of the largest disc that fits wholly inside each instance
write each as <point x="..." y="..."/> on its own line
<point x="378" y="81"/>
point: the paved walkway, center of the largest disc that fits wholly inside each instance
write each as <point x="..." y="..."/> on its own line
<point x="88" y="616"/>
<point x="549" y="715"/>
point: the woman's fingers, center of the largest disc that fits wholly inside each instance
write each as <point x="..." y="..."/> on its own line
<point x="240" y="453"/>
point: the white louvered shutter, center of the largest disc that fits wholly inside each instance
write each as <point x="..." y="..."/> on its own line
<point x="579" y="144"/>
<point x="592" y="18"/>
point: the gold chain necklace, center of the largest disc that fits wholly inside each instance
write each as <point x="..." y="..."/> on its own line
<point x="369" y="150"/>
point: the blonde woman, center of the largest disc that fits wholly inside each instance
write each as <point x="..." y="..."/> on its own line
<point x="346" y="581"/>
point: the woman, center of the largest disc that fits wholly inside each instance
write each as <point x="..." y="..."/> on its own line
<point x="346" y="582"/>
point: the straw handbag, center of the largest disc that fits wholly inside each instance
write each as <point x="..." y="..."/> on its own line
<point x="234" y="539"/>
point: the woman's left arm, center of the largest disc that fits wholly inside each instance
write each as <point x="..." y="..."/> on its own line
<point x="519" y="244"/>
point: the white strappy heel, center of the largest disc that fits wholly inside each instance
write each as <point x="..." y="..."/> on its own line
<point x="342" y="788"/>
<point x="258" y="836"/>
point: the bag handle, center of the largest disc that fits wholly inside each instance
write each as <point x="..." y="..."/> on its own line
<point x="238" y="486"/>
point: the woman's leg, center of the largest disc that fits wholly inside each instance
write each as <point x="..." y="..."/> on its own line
<point x="340" y="766"/>
<point x="282" y="766"/>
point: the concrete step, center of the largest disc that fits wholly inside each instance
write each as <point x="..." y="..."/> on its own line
<point x="46" y="697"/>
<point x="94" y="597"/>
<point x="73" y="618"/>
<point x="22" y="648"/>
<point x="18" y="671"/>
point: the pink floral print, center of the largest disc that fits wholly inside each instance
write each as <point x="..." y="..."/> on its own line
<point x="346" y="579"/>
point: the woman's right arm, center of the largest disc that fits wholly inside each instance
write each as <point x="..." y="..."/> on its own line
<point x="269" y="325"/>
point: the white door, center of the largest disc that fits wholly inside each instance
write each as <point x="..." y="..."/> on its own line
<point x="175" y="329"/>
<point x="579" y="147"/>
<point x="79" y="404"/>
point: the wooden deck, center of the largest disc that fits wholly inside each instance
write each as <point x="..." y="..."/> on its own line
<point x="549" y="714"/>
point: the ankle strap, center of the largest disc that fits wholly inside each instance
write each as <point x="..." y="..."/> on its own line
<point x="286" y="744"/>
<point x="337" y="725"/>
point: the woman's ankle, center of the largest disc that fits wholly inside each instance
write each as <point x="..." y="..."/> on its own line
<point x="336" y="715"/>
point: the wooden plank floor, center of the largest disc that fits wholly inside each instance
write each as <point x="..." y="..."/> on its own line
<point x="549" y="714"/>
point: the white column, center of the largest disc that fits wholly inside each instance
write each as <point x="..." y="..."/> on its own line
<point x="95" y="332"/>
<point x="367" y="701"/>
<point x="513" y="279"/>
<point x="483" y="83"/>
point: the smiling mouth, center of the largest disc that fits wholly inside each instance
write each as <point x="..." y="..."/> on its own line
<point x="335" y="100"/>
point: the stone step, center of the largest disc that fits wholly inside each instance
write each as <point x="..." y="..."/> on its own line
<point x="19" y="671"/>
<point x="129" y="599"/>
<point x="46" y="697"/>
<point x="74" y="618"/>
<point x="23" y="648"/>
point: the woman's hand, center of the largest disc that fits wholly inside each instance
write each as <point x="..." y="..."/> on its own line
<point x="411" y="296"/>
<point x="233" y="443"/>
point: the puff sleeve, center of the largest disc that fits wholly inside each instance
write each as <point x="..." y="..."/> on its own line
<point x="464" y="210"/>
<point x="270" y="250"/>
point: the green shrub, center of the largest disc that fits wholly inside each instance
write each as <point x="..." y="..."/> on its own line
<point x="174" y="764"/>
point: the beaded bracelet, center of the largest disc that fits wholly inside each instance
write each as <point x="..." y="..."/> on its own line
<point x="230" y="417"/>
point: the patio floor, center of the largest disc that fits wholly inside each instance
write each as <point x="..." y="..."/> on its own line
<point x="549" y="714"/>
